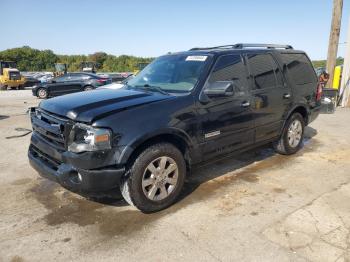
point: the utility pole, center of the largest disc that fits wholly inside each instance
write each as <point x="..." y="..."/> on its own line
<point x="334" y="39"/>
<point x="345" y="80"/>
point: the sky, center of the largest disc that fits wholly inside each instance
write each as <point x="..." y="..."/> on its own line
<point x="154" y="27"/>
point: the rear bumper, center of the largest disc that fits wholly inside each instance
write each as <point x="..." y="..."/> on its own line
<point x="313" y="114"/>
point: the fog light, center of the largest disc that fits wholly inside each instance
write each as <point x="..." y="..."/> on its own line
<point x="80" y="177"/>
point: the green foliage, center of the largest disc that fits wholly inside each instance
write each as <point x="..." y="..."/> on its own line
<point x="29" y="59"/>
<point x="323" y="63"/>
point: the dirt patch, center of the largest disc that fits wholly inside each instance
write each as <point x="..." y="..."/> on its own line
<point x="22" y="181"/>
<point x="279" y="190"/>
<point x="17" y="259"/>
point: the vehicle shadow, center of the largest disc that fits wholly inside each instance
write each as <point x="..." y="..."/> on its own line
<point x="264" y="156"/>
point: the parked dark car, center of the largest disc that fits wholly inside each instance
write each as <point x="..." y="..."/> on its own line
<point x="182" y="110"/>
<point x="30" y="81"/>
<point x="69" y="83"/>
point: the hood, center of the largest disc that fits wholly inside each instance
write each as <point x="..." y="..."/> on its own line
<point x="91" y="105"/>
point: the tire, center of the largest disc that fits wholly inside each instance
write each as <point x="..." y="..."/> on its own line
<point x="150" y="191"/>
<point x="3" y="87"/>
<point x="42" y="93"/>
<point x="88" y="88"/>
<point x="21" y="87"/>
<point x="292" y="135"/>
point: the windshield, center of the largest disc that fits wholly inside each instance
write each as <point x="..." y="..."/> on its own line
<point x="173" y="73"/>
<point x="8" y="64"/>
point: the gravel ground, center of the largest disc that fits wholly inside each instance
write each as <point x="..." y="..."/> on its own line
<point x="256" y="207"/>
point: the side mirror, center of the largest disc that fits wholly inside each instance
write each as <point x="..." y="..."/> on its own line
<point x="219" y="89"/>
<point x="53" y="81"/>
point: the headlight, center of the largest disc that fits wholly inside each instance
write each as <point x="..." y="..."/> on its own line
<point x="87" y="138"/>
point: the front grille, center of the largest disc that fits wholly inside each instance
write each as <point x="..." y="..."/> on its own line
<point x="52" y="163"/>
<point x="51" y="128"/>
<point x="14" y="76"/>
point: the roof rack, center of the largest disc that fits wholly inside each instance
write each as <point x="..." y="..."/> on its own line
<point x="241" y="46"/>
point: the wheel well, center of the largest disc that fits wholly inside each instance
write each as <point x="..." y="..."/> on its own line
<point x="301" y="110"/>
<point x="175" y="140"/>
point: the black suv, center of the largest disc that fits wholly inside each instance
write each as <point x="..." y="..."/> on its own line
<point x="69" y="83"/>
<point x="181" y="110"/>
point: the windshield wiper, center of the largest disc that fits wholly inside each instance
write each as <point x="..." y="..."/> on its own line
<point x="154" y="88"/>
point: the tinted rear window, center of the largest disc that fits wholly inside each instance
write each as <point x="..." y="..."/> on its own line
<point x="264" y="70"/>
<point x="299" y="68"/>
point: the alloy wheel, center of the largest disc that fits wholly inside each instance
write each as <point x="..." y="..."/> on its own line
<point x="295" y="133"/>
<point x="160" y="178"/>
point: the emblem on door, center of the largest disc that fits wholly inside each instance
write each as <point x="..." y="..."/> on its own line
<point x="211" y="134"/>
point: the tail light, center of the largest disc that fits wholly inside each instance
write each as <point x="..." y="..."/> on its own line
<point x="101" y="80"/>
<point x="319" y="92"/>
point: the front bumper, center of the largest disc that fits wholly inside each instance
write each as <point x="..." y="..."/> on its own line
<point x="81" y="173"/>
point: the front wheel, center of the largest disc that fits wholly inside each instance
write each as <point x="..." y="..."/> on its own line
<point x="292" y="136"/>
<point x="155" y="179"/>
<point x="88" y="88"/>
<point x="42" y="93"/>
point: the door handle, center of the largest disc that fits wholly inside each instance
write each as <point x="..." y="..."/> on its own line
<point x="245" y="104"/>
<point x="286" y="96"/>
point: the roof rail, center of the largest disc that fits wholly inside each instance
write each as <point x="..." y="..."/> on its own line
<point x="241" y="45"/>
<point x="269" y="46"/>
<point x="213" y="47"/>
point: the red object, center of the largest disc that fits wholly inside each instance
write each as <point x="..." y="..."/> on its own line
<point x="319" y="91"/>
<point x="102" y="80"/>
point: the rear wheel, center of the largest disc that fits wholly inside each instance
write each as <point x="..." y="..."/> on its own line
<point x="88" y="88"/>
<point x="3" y="87"/>
<point x="155" y="179"/>
<point x="292" y="136"/>
<point x="42" y="93"/>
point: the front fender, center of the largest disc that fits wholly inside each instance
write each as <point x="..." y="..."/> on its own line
<point x="133" y="145"/>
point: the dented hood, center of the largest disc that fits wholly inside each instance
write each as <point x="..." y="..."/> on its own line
<point x="91" y="105"/>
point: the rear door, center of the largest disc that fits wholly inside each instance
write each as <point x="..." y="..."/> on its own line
<point x="272" y="97"/>
<point x="226" y="123"/>
<point x="302" y="77"/>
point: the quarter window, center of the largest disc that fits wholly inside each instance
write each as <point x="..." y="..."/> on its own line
<point x="299" y="68"/>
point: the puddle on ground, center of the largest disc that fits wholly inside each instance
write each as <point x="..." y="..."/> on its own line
<point x="111" y="220"/>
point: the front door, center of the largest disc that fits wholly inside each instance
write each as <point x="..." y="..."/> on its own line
<point x="226" y="123"/>
<point x="271" y="96"/>
<point x="65" y="84"/>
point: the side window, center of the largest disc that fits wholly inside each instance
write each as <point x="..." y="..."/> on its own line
<point x="230" y="68"/>
<point x="264" y="70"/>
<point x="76" y="77"/>
<point x="61" y="79"/>
<point x="299" y="68"/>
